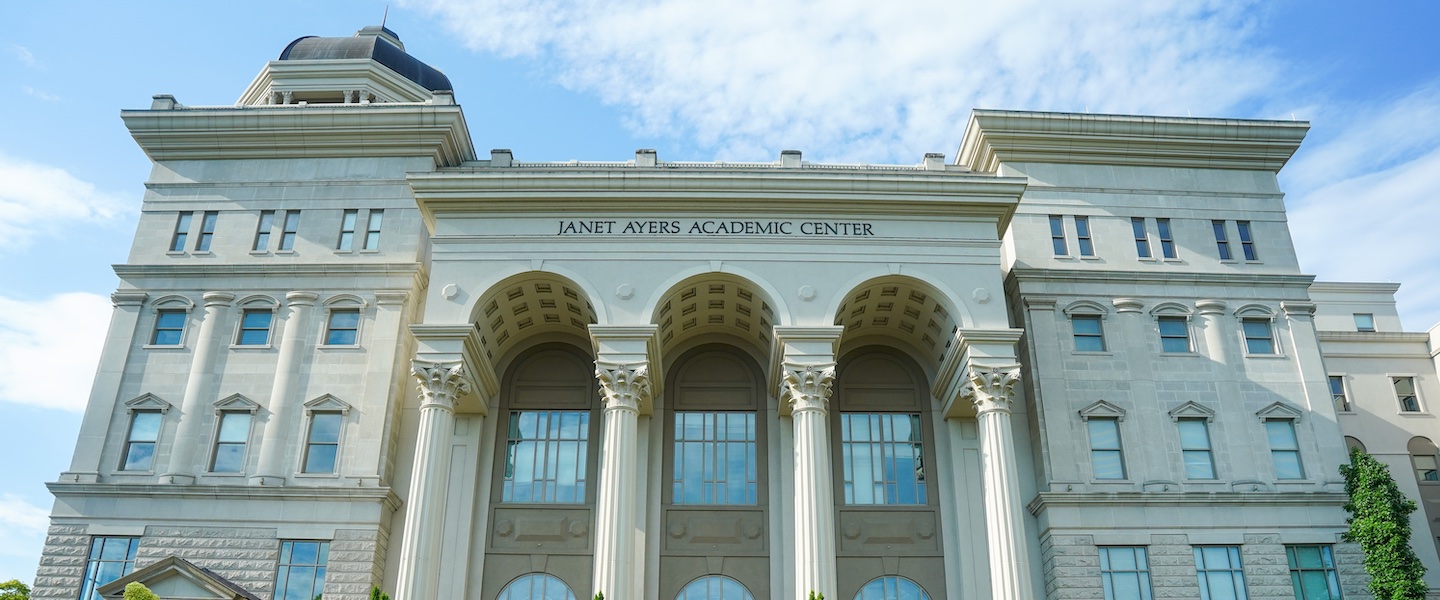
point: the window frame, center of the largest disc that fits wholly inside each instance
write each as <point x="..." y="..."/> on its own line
<point x="374" y="221"/>
<point x="1183" y="321"/>
<point x="1247" y="241"/>
<point x="289" y="231"/>
<point x="1084" y="236"/>
<point x="1250" y="339"/>
<point x="576" y="394"/>
<point x="1167" y="238"/>
<point x="1343" y="395"/>
<point x="181" y="236"/>
<point x="1076" y="336"/>
<point x="850" y="398"/>
<point x="1222" y="241"/>
<point x="320" y="570"/>
<point x="263" y="230"/>
<point x="219" y="443"/>
<point x="1294" y="435"/>
<point x="1428" y="451"/>
<point x="94" y="558"/>
<point x="1141" y="555"/>
<point x="160" y="314"/>
<point x="1118" y="451"/>
<point x="208" y="220"/>
<point x="527" y="577"/>
<point x="331" y="329"/>
<point x="1208" y="450"/>
<point x="241" y="327"/>
<point x="1058" y="243"/>
<point x="1234" y="570"/>
<point x="348" y="220"/>
<point x="1363" y="329"/>
<point x="1142" y="238"/>
<point x="1414" y="395"/>
<point x="130" y="442"/>
<point x="1297" y="572"/>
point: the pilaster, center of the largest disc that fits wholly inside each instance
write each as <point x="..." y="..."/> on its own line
<point x="279" y="426"/>
<point x="89" y="446"/>
<point x="199" y="385"/>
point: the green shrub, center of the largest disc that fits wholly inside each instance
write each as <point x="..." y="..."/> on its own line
<point x="1380" y="523"/>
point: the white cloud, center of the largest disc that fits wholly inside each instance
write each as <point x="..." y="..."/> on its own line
<point x="39" y="338"/>
<point x="22" y="536"/>
<point x="37" y="198"/>
<point x="857" y="80"/>
<point x="24" y="55"/>
<point x="40" y="94"/>
<point x="19" y="516"/>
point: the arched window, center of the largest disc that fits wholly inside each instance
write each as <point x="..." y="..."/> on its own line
<point x="716" y="431"/>
<point x="714" y="587"/>
<point x="548" y="427"/>
<point x="891" y="588"/>
<point x="1422" y="457"/>
<point x="882" y="433"/>
<point x="536" y="586"/>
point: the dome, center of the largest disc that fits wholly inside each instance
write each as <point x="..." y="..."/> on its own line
<point x="375" y="43"/>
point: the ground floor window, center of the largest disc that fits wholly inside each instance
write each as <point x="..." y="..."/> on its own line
<point x="892" y="588"/>
<point x="1221" y="575"/>
<point x="1125" y="573"/>
<point x="110" y="558"/>
<point x="714" y="587"/>
<point x="1312" y="572"/>
<point x="301" y="574"/>
<point x="536" y="586"/>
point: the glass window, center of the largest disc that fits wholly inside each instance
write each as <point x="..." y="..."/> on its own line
<point x="715" y="458"/>
<point x="139" y="454"/>
<point x="207" y="231"/>
<point x="1425" y="468"/>
<point x="1405" y="393"/>
<point x="301" y="573"/>
<point x="881" y="458"/>
<point x="169" y="328"/>
<point x="891" y="588"/>
<point x="110" y="558"/>
<point x="1167" y="243"/>
<point x="323" y="444"/>
<point x="1337" y="393"/>
<point x="1247" y="243"/>
<point x="342" y="327"/>
<point x="545" y="456"/>
<point x="372" y="230"/>
<point x="230" y="440"/>
<point x="1142" y="240"/>
<point x="1057" y="235"/>
<point x="1312" y="572"/>
<point x="1106" y="459"/>
<point x="1259" y="339"/>
<point x="347" y="230"/>
<point x="536" y="586"/>
<point x="255" y="327"/>
<point x="1195" y="449"/>
<point x="1174" y="335"/>
<point x="1364" y="322"/>
<point x="1125" y="573"/>
<point x="182" y="232"/>
<point x="287" y="231"/>
<point x="714" y="587"/>
<point x="1284" y="449"/>
<point x="1089" y="337"/>
<point x="1220" y="572"/>
<point x="1222" y="240"/>
<point x="262" y="231"/>
<point x="1082" y="234"/>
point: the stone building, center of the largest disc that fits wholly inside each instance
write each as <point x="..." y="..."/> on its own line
<point x="1078" y="361"/>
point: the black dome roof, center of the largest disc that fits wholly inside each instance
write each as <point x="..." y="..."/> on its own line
<point x="369" y="43"/>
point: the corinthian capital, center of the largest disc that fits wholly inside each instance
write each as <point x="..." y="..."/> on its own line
<point x="991" y="388"/>
<point x="626" y="386"/>
<point x="807" y="387"/>
<point x="441" y="383"/>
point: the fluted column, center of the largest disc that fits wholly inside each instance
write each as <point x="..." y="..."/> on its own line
<point x="181" y="467"/>
<point x="440" y="384"/>
<point x="992" y="391"/>
<point x="624" y="387"/>
<point x="807" y="389"/>
<point x="278" y="427"/>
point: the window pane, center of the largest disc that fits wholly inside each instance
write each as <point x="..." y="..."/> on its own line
<point x="546" y="457"/>
<point x="1258" y="337"/>
<point x="320" y="459"/>
<point x="891" y="588"/>
<point x="881" y="458"/>
<point x="145" y="427"/>
<point x="234" y="426"/>
<point x="325" y="427"/>
<point x="1194" y="434"/>
<point x="539" y="586"/>
<point x="229" y="458"/>
<point x="1364" y="322"/>
<point x="1281" y="435"/>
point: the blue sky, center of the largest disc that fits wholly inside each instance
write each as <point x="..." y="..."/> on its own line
<point x="841" y="80"/>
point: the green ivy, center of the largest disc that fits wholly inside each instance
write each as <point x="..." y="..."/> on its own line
<point x="1380" y="523"/>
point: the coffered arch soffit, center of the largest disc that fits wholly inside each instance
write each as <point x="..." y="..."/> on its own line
<point x="528" y="306"/>
<point x="719" y="305"/>
<point x="904" y="309"/>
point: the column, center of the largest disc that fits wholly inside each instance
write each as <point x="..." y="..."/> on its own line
<point x="992" y="389"/>
<point x="181" y="468"/>
<point x="279" y="430"/>
<point x="625" y="387"/>
<point x="441" y="384"/>
<point x="807" y="390"/>
<point x="1212" y="323"/>
<point x="104" y="393"/>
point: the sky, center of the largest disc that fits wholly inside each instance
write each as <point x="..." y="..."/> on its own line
<point x="841" y="80"/>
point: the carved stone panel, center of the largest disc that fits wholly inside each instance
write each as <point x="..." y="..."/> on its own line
<point x="889" y="532"/>
<point x="714" y="532"/>
<point x="540" y="530"/>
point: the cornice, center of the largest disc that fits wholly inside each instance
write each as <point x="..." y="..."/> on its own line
<point x="1377" y="337"/>
<point x="1355" y="287"/>
<point x="438" y="132"/>
<point x="998" y="136"/>
<point x="1046" y="500"/>
<point x="383" y="495"/>
<point x="206" y="270"/>
<point x="1031" y="275"/>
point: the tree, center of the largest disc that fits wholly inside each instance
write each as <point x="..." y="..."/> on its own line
<point x="376" y="594"/>
<point x="1380" y="523"/>
<point x="14" y="590"/>
<point x="137" y="591"/>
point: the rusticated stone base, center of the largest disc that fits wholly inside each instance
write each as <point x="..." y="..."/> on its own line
<point x="62" y="565"/>
<point x="246" y="556"/>
<point x="357" y="561"/>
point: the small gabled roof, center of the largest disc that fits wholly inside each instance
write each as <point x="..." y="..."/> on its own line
<point x="174" y="575"/>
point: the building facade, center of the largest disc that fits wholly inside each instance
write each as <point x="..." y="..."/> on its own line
<point x="1078" y="361"/>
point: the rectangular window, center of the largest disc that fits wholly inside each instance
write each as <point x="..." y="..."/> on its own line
<point x="1222" y="240"/>
<point x="262" y="231"/>
<point x="1247" y="242"/>
<point x="1259" y="338"/>
<point x="1174" y="335"/>
<point x="1082" y="234"/>
<point x="207" y="231"/>
<point x="1220" y="572"/>
<point x="343" y="326"/>
<point x="255" y="327"/>
<point x="110" y="558"/>
<point x="372" y="230"/>
<point x="139" y="453"/>
<point x="322" y="445"/>
<point x="288" y="229"/>
<point x="230" y="441"/>
<point x="1089" y="337"/>
<point x="1405" y="393"/>
<point x="1425" y="467"/>
<point x="1142" y="239"/>
<point x="1337" y="393"/>
<point x="1125" y="573"/>
<point x="301" y="572"/>
<point x="347" y="230"/>
<point x="1167" y="243"/>
<point x="1312" y="572"/>
<point x="169" y="328"/>
<point x="1057" y="235"/>
<point x="1364" y="322"/>
<point x="182" y="233"/>
<point x="1284" y="449"/>
<point x="1106" y="459"/>
<point x="1195" y="449"/>
<point x="546" y="454"/>
<point x="881" y="458"/>
<point x="715" y="458"/>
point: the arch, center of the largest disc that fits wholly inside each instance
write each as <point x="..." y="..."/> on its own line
<point x="891" y="587"/>
<point x="539" y="269"/>
<point x="529" y="304"/>
<point x="714" y="587"/>
<point x="783" y="315"/>
<point x="173" y="301"/>
<point x="715" y="302"/>
<point x="1255" y="311"/>
<point x="936" y="284"/>
<point x="258" y="301"/>
<point x="1423" y="458"/>
<point x="1354" y="444"/>
<point x="905" y="309"/>
<point x="1172" y="309"/>
<point x="1085" y="307"/>
<point x="345" y="300"/>
<point x="536" y="586"/>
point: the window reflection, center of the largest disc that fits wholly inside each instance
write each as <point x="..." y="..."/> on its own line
<point x="714" y="587"/>
<point x="536" y="586"/>
<point x="891" y="588"/>
<point x="545" y="456"/>
<point x="715" y="458"/>
<point x="881" y="458"/>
